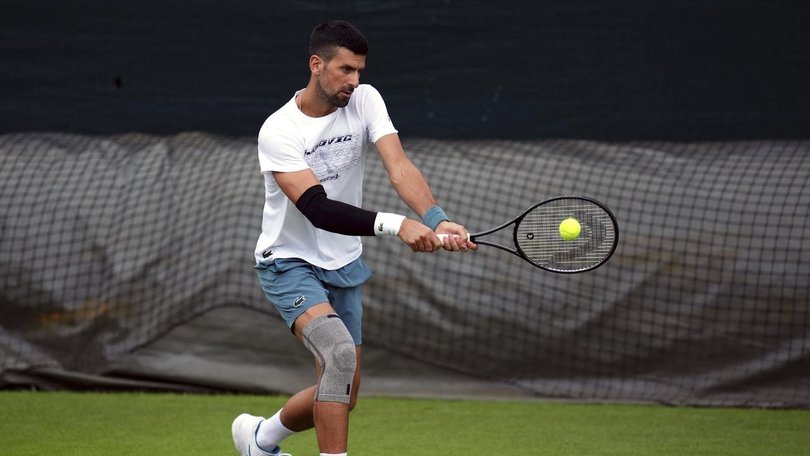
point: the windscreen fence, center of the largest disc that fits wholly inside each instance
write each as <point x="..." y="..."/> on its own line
<point x="109" y="242"/>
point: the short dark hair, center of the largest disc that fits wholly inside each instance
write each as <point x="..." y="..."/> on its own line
<point x="326" y="38"/>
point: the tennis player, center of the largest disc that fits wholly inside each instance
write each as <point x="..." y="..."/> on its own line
<point x="308" y="257"/>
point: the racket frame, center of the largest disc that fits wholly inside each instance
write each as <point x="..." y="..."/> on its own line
<point x="517" y="250"/>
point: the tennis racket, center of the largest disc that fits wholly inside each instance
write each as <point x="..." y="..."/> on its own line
<point x="538" y="239"/>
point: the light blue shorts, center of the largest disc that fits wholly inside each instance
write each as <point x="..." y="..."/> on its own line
<point x="292" y="285"/>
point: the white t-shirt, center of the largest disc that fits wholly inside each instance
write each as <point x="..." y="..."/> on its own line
<point x="335" y="147"/>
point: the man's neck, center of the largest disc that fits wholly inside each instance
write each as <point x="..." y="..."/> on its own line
<point x="313" y="106"/>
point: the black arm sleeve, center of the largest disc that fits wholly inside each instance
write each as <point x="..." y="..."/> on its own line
<point x="335" y="216"/>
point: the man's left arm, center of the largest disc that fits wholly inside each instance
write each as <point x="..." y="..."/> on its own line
<point x="413" y="189"/>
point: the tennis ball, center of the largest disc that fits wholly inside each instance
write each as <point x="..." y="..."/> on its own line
<point x="569" y="229"/>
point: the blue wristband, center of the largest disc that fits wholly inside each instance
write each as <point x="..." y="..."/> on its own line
<point x="434" y="216"/>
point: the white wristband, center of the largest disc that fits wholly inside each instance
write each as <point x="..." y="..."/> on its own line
<point x="387" y="223"/>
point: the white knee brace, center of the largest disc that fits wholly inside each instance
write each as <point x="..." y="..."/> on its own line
<point x="329" y="340"/>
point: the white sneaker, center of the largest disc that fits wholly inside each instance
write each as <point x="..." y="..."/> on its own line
<point x="244" y="430"/>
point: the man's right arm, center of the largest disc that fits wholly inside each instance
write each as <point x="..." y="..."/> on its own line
<point x="305" y="191"/>
<point x="295" y="183"/>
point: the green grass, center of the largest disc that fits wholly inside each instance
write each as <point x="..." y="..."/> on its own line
<point x="85" y="424"/>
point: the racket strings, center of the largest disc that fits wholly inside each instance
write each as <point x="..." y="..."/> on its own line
<point x="538" y="238"/>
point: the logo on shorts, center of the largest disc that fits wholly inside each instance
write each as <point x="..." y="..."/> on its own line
<point x="299" y="300"/>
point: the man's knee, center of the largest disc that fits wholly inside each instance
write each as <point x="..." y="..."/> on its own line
<point x="329" y="340"/>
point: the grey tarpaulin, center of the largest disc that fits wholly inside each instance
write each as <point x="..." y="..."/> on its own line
<point x="128" y="258"/>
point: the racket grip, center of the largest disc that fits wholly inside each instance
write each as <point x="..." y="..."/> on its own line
<point x="444" y="236"/>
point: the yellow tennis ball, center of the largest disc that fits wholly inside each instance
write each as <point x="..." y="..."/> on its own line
<point x="570" y="229"/>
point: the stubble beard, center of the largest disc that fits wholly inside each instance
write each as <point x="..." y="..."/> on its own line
<point x="332" y="99"/>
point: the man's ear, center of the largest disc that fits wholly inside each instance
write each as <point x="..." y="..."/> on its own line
<point x="316" y="64"/>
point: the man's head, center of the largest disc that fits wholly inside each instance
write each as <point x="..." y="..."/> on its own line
<point x="326" y="38"/>
<point x="337" y="57"/>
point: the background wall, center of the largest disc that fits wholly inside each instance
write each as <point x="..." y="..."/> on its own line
<point x="620" y="69"/>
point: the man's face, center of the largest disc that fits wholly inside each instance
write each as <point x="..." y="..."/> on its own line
<point x="338" y="77"/>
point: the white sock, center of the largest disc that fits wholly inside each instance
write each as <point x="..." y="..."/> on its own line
<point x="272" y="432"/>
<point x="334" y="454"/>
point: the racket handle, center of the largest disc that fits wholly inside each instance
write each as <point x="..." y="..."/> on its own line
<point x="443" y="236"/>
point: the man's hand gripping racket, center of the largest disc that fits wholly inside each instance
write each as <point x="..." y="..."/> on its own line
<point x="564" y="234"/>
